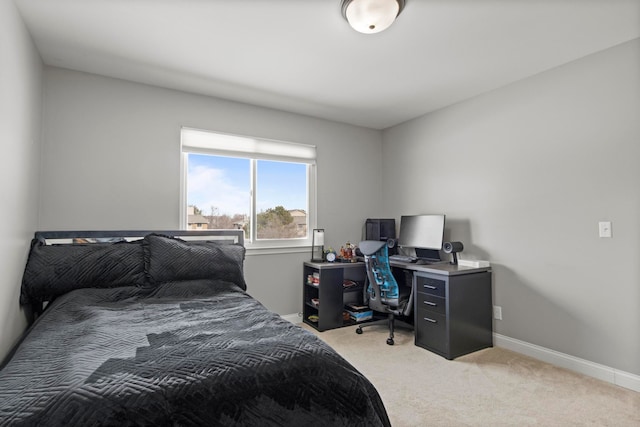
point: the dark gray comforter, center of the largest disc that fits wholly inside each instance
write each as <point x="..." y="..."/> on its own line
<point x="196" y="352"/>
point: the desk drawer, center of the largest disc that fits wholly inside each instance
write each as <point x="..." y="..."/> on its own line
<point x="430" y="286"/>
<point x="431" y="331"/>
<point x="431" y="303"/>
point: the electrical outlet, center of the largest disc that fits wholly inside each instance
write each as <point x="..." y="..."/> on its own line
<point x="497" y="312"/>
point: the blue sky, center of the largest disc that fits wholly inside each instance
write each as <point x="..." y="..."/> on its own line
<point x="224" y="182"/>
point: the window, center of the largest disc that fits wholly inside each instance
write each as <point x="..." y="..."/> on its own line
<point x="262" y="186"/>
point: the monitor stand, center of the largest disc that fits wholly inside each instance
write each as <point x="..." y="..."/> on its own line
<point x="429" y="255"/>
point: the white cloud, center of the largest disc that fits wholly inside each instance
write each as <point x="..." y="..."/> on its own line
<point x="209" y="187"/>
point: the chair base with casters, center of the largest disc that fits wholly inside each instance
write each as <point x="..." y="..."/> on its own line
<point x="391" y="321"/>
<point x="382" y="292"/>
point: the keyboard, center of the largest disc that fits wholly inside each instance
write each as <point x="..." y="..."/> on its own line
<point x="402" y="258"/>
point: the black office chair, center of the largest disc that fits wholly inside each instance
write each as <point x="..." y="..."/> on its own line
<point x="383" y="293"/>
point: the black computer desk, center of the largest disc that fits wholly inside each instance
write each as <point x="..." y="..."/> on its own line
<point x="452" y="312"/>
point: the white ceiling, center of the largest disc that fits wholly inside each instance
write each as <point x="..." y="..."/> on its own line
<point x="302" y="56"/>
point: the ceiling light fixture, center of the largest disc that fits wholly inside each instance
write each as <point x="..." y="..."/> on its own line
<point x="371" y="16"/>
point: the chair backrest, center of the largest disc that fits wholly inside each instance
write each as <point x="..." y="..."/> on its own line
<point x="383" y="289"/>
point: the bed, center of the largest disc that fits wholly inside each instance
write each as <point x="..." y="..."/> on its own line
<point x="157" y="329"/>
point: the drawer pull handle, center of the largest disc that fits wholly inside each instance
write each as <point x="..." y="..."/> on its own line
<point x="430" y="287"/>
<point x="433" y="304"/>
<point x="430" y="320"/>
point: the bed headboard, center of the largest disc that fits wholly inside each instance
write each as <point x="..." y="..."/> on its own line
<point x="66" y="237"/>
<point x="38" y="261"/>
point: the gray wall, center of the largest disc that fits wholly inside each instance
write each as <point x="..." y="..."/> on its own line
<point x="111" y="160"/>
<point x="525" y="173"/>
<point x="20" y="125"/>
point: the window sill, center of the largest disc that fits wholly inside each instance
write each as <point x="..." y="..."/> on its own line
<point x="277" y="250"/>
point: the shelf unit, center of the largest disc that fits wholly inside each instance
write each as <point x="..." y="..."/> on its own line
<point x="330" y="292"/>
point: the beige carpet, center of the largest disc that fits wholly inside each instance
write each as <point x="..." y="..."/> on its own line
<point x="491" y="387"/>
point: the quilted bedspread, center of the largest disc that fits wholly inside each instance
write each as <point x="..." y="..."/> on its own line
<point x="196" y="352"/>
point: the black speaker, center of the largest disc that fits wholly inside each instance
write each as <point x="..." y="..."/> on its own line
<point x="453" y="248"/>
<point x="392" y="246"/>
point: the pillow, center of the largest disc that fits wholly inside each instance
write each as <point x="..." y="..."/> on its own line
<point x="169" y="259"/>
<point x="53" y="270"/>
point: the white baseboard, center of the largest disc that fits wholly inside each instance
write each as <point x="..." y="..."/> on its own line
<point x="294" y="318"/>
<point x="582" y="366"/>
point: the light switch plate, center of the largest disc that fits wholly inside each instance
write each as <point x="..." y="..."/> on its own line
<point x="604" y="228"/>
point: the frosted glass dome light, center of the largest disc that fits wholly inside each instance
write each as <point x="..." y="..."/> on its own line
<point x="371" y="16"/>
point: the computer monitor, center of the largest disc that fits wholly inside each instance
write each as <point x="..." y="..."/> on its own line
<point x="424" y="233"/>
<point x="380" y="229"/>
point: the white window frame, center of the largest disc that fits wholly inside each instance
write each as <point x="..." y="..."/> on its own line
<point x="199" y="141"/>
